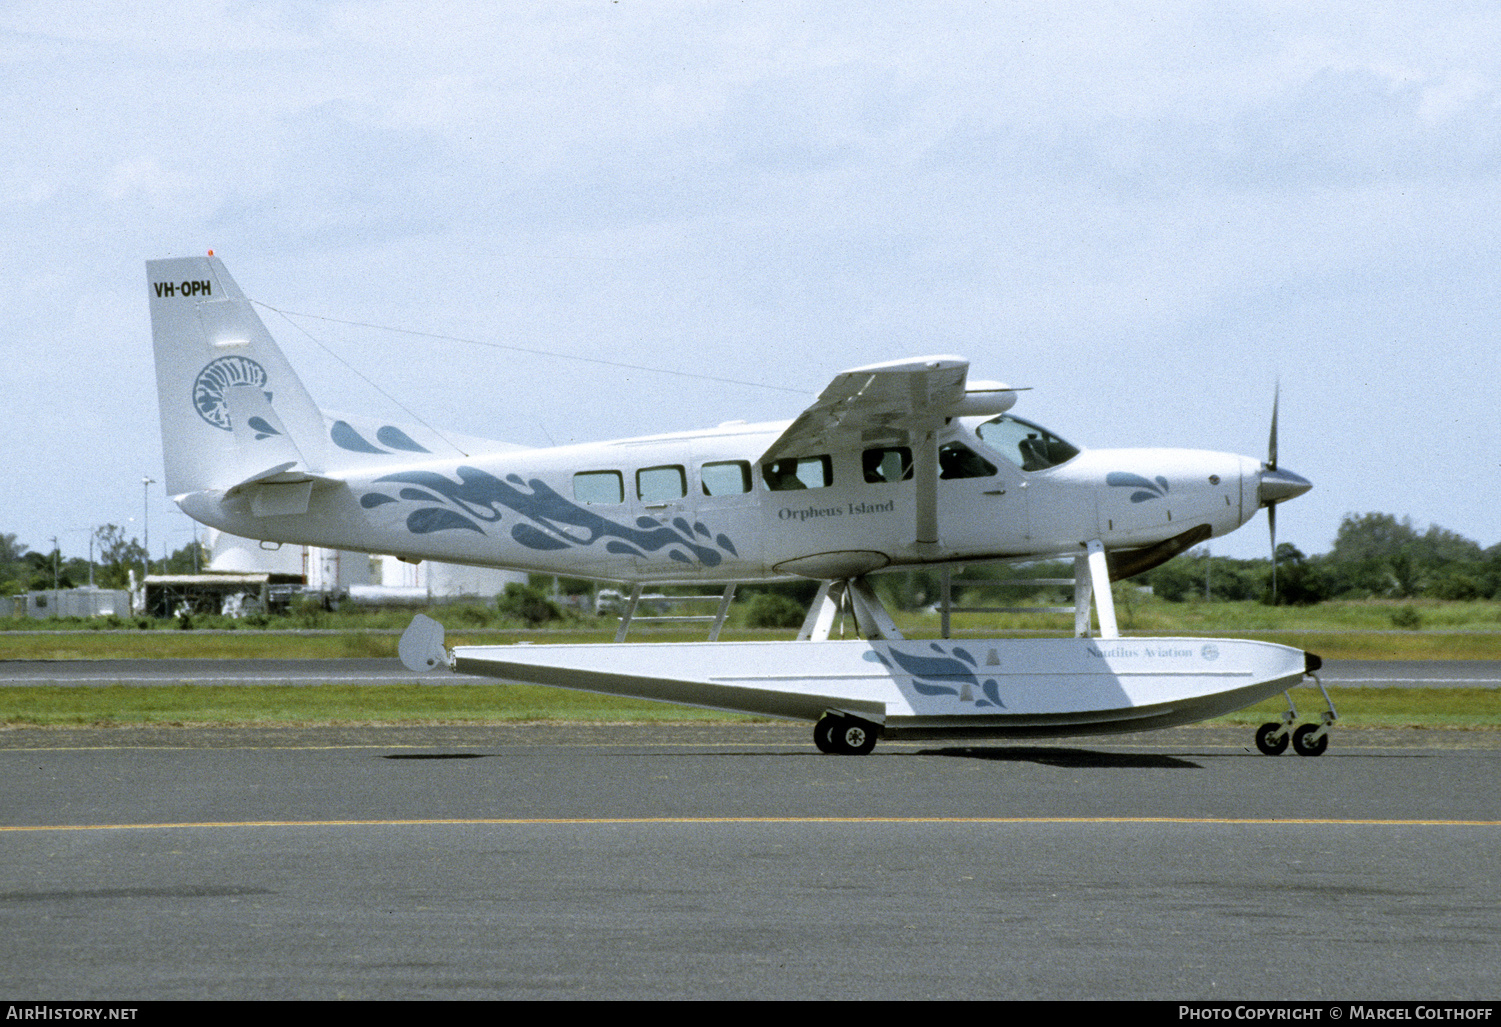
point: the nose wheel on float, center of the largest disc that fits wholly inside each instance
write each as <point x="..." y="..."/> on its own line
<point x="845" y="736"/>
<point x="1308" y="740"/>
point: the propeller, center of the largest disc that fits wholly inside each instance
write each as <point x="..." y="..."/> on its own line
<point x="1271" y="465"/>
<point x="1276" y="485"/>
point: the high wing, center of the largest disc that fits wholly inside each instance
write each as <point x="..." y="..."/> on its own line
<point x="880" y="403"/>
<point x="900" y="402"/>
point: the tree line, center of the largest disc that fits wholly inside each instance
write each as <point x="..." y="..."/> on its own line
<point x="1375" y="555"/>
<point x="115" y="556"/>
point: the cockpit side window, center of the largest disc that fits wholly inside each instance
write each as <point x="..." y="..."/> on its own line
<point x="956" y="460"/>
<point x="1031" y="447"/>
<point x="798" y="472"/>
<point x="891" y="464"/>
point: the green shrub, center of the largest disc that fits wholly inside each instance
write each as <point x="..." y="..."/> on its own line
<point x="307" y="611"/>
<point x="527" y="604"/>
<point x="1407" y="617"/>
<point x="468" y="616"/>
<point x="770" y="610"/>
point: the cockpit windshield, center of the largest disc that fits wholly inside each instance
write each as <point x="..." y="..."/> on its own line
<point x="1030" y="447"/>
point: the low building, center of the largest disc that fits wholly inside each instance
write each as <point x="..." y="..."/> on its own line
<point x="360" y="578"/>
<point x="167" y="595"/>
<point x="71" y="602"/>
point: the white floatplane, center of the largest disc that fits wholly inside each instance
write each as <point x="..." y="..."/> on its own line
<point x="895" y="465"/>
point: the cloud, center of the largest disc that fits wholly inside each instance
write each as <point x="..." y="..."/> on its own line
<point x="1184" y="197"/>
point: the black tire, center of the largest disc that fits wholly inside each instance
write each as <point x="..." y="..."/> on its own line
<point x="1304" y="745"/>
<point x="855" y="737"/>
<point x="1267" y="743"/>
<point x="823" y="734"/>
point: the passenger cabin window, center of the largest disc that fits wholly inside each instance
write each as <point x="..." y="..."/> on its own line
<point x="725" y="477"/>
<point x="661" y="484"/>
<point x="1033" y="448"/>
<point x="881" y="465"/>
<point x="599" y="488"/>
<point x="801" y="472"/>
<point x="956" y="460"/>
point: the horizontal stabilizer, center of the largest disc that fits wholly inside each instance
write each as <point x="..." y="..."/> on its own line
<point x="279" y="473"/>
<point x="282" y="490"/>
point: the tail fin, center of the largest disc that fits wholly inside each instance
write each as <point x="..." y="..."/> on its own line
<point x="233" y="411"/>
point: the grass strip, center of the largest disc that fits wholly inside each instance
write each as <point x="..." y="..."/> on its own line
<point x="287" y="645"/>
<point x="1332" y="645"/>
<point x="1471" y="708"/>
<point x="266" y="705"/>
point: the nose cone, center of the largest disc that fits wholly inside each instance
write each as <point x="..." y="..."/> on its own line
<point x="1280" y="485"/>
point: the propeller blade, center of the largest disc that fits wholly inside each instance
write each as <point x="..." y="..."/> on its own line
<point x="1271" y="520"/>
<point x="1271" y="443"/>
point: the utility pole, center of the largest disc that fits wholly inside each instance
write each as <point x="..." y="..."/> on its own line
<point x="146" y="484"/>
<point x="54" y="563"/>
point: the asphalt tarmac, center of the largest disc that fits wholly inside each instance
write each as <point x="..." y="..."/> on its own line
<point x="734" y="861"/>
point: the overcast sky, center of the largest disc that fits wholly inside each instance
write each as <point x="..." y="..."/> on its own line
<point x="1147" y="212"/>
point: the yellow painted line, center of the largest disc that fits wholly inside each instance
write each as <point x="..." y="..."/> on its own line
<point x="547" y="821"/>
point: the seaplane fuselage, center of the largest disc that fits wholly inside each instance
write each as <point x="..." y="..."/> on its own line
<point x="699" y="506"/>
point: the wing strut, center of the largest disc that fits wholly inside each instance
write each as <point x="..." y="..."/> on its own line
<point x="823" y="611"/>
<point x="871" y="618"/>
<point x="1099" y="576"/>
<point x="925" y="481"/>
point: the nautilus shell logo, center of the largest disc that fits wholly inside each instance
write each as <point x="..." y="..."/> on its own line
<point x="208" y="390"/>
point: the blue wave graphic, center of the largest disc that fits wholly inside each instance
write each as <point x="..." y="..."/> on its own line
<point x="951" y="673"/>
<point x="261" y="427"/>
<point x="345" y="437"/>
<point x="432" y="518"/>
<point x="1147" y="489"/>
<point x="478" y="498"/>
<point x="395" y="438"/>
